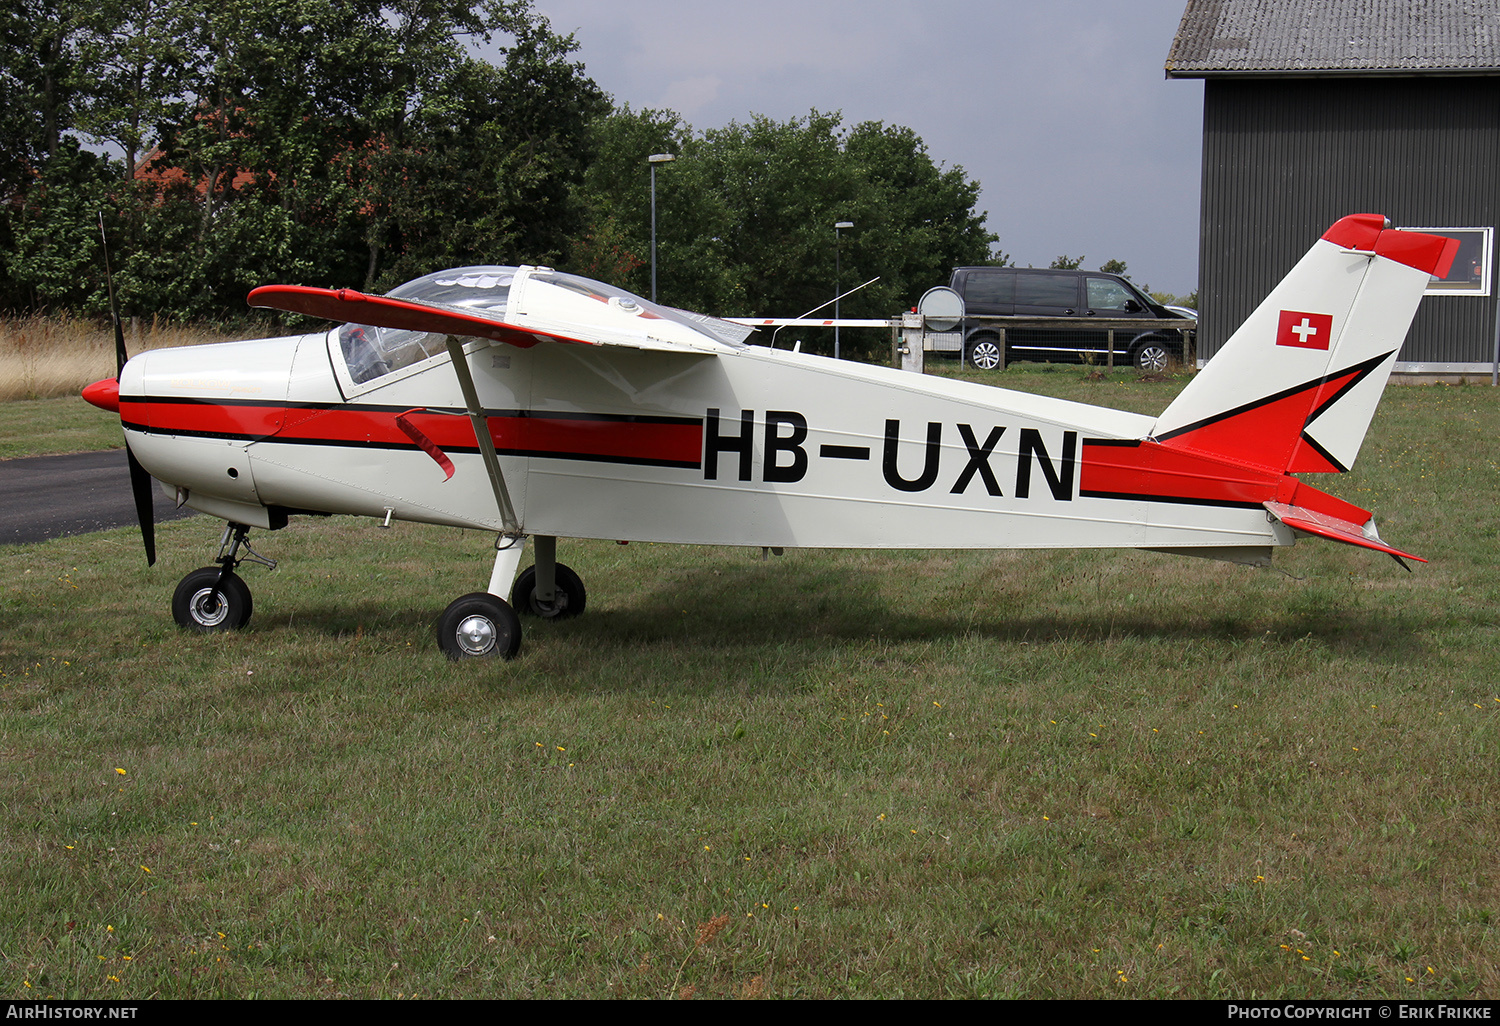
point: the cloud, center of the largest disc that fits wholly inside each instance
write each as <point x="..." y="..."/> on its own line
<point x="688" y="96"/>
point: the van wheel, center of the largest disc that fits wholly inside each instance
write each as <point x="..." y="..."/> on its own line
<point x="985" y="354"/>
<point x="1151" y="356"/>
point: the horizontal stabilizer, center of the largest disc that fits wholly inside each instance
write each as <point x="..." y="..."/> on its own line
<point x="1331" y="527"/>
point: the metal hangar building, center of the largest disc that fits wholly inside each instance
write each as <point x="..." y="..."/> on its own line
<point x="1313" y="109"/>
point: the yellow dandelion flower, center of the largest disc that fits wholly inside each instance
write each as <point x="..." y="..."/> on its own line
<point x="119" y="771"/>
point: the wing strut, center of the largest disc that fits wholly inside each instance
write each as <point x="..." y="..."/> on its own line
<point x="482" y="435"/>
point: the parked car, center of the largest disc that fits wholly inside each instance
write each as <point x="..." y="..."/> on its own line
<point x="1027" y="292"/>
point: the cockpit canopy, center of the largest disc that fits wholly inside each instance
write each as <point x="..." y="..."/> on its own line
<point x="372" y="352"/>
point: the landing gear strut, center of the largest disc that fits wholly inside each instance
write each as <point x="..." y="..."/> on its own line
<point x="214" y="598"/>
<point x="483" y="624"/>
<point x="549" y="589"/>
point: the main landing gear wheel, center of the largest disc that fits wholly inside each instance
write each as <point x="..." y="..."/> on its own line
<point x="479" y="626"/>
<point x="202" y="602"/>
<point x="569" y="600"/>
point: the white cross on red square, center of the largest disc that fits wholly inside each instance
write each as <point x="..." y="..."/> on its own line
<point x="1302" y="330"/>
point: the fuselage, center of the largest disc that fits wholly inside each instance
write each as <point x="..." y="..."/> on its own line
<point x="738" y="446"/>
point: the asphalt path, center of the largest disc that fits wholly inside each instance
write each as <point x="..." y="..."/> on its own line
<point x="54" y="496"/>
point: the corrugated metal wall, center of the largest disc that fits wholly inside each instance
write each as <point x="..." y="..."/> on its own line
<point x="1285" y="158"/>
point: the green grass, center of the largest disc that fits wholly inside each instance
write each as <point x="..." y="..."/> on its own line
<point x="48" y="427"/>
<point x="947" y="774"/>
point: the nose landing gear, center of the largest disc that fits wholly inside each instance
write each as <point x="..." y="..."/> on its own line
<point x="214" y="598"/>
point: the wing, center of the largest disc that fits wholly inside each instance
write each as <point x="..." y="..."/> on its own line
<point x="347" y="305"/>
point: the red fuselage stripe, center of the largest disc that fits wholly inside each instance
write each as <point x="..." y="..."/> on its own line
<point x="1155" y="472"/>
<point x="606" y="438"/>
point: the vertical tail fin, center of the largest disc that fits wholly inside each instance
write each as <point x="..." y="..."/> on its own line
<point x="1293" y="390"/>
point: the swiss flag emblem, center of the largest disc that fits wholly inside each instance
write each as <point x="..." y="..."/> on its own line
<point x="1304" y="330"/>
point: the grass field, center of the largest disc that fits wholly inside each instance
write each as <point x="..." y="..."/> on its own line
<point x="946" y="774"/>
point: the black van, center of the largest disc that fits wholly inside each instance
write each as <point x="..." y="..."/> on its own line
<point x="1026" y="292"/>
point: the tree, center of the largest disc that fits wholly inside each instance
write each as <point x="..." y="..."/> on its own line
<point x="55" y="240"/>
<point x="326" y="141"/>
<point x="746" y="214"/>
<point x="132" y="59"/>
<point x="1067" y="263"/>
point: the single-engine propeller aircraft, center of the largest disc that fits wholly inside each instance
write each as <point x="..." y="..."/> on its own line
<point x="540" y="405"/>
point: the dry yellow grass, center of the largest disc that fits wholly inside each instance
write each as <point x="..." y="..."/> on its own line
<point x="42" y="357"/>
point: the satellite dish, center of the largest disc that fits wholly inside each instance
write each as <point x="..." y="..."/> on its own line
<point x="942" y="308"/>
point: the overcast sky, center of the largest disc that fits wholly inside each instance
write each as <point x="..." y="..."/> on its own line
<point x="1060" y="109"/>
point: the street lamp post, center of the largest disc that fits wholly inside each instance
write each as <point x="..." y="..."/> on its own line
<point x="836" y="286"/>
<point x="653" y="160"/>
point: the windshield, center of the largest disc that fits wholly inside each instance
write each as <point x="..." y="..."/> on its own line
<point x="371" y="352"/>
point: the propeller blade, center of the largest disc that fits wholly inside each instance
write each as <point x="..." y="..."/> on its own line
<point x="121" y="356"/>
<point x="140" y="480"/>
<point x="140" y="488"/>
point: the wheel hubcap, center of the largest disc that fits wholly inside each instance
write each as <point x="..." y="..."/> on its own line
<point x="208" y="607"/>
<point x="1154" y="359"/>
<point x="476" y="635"/>
<point x="549" y="610"/>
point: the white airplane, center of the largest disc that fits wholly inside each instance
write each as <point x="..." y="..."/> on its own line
<point x="540" y="405"/>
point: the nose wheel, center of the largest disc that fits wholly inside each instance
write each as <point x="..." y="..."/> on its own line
<point x="214" y="598"/>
